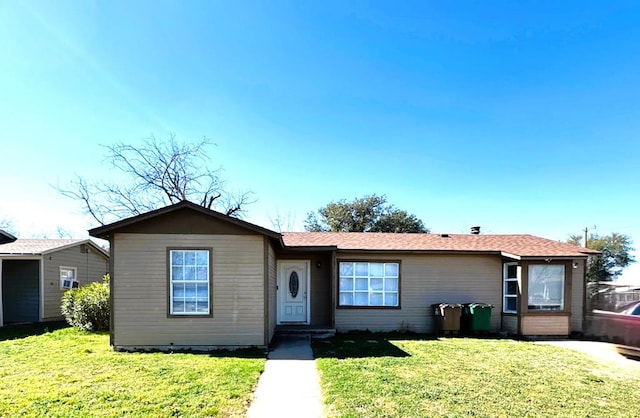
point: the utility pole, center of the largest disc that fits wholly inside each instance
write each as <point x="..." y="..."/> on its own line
<point x="586" y="236"/>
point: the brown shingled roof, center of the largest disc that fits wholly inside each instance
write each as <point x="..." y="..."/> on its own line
<point x="518" y="245"/>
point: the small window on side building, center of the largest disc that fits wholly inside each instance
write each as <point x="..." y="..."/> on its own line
<point x="68" y="278"/>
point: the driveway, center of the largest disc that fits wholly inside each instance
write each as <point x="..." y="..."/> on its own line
<point x="604" y="352"/>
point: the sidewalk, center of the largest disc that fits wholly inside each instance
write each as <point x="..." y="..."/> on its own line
<point x="289" y="386"/>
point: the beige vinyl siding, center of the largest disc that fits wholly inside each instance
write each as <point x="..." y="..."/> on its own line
<point x="510" y="323"/>
<point x="272" y="291"/>
<point x="426" y="279"/>
<point x="577" y="296"/>
<point x="140" y="287"/>
<point x="90" y="267"/>
<point x="545" y="325"/>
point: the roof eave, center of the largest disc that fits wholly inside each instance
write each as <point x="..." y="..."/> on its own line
<point x="553" y="257"/>
<point x="9" y="237"/>
<point x="419" y="251"/>
<point x="300" y="248"/>
<point x="75" y="244"/>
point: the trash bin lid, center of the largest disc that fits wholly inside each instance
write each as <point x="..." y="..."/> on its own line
<point x="480" y="305"/>
<point x="451" y="305"/>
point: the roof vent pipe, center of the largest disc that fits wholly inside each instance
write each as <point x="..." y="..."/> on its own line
<point x="475" y="230"/>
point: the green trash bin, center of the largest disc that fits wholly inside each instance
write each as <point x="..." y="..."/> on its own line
<point x="477" y="317"/>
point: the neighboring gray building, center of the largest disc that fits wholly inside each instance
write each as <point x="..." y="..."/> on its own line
<point x="34" y="273"/>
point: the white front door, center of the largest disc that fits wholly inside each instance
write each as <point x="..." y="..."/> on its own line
<point x="293" y="297"/>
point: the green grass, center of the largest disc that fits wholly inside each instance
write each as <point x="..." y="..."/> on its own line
<point x="67" y="373"/>
<point x="400" y="376"/>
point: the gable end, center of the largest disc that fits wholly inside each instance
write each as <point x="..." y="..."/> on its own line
<point x="185" y="221"/>
<point x="182" y="218"/>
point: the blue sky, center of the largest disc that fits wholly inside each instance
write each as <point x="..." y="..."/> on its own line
<point x="521" y="117"/>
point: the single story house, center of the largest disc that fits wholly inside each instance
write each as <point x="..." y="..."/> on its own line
<point x="34" y="273"/>
<point x="187" y="277"/>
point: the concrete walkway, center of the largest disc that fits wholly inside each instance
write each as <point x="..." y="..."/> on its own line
<point x="289" y="385"/>
<point x="604" y="352"/>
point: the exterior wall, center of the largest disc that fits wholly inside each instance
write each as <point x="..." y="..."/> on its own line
<point x="577" y="297"/>
<point x="510" y="323"/>
<point x="545" y="325"/>
<point x="90" y="267"/>
<point x="140" y="292"/>
<point x="272" y="291"/>
<point x="426" y="279"/>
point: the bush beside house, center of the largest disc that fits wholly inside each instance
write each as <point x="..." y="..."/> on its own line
<point x="87" y="308"/>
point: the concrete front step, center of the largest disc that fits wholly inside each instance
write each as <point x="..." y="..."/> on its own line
<point x="305" y="331"/>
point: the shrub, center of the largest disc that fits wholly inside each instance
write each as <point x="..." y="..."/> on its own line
<point x="87" y="308"/>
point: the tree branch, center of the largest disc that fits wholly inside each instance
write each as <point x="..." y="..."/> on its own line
<point x="157" y="173"/>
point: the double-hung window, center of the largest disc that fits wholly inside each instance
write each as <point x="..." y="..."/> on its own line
<point x="189" y="282"/>
<point x="546" y="287"/>
<point x="369" y="284"/>
<point x="510" y="288"/>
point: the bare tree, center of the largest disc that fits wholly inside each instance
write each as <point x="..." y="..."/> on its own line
<point x="63" y="233"/>
<point x="157" y="174"/>
<point x="7" y="225"/>
<point x="283" y="222"/>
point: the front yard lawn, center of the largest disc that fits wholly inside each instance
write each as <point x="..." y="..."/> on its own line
<point x="72" y="373"/>
<point x="373" y="375"/>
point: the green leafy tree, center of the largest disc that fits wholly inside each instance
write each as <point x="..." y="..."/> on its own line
<point x="365" y="214"/>
<point x="616" y="252"/>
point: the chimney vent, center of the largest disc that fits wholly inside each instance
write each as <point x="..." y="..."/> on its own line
<point x="475" y="230"/>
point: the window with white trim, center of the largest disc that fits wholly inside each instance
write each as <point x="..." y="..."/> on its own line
<point x="546" y="287"/>
<point x="69" y="278"/>
<point x="369" y="284"/>
<point x="189" y="282"/>
<point x="510" y="287"/>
